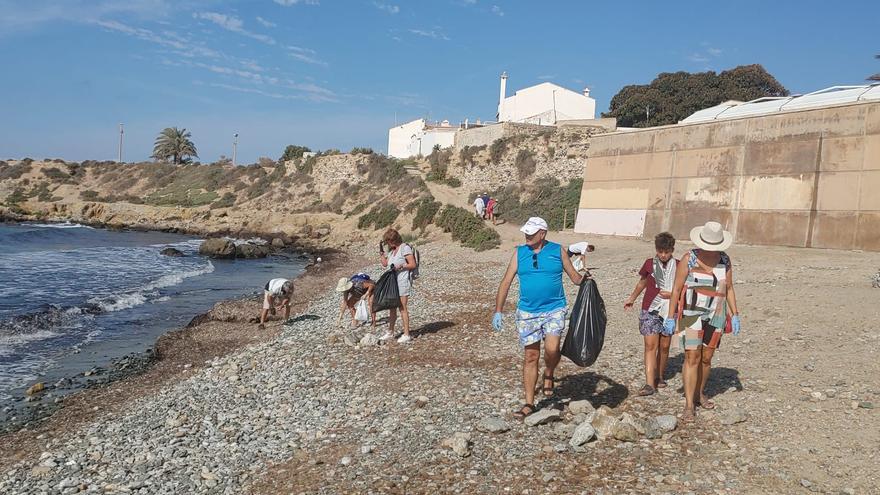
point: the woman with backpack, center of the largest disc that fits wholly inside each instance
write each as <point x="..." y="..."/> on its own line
<point x="401" y="258"/>
<point x="706" y="308"/>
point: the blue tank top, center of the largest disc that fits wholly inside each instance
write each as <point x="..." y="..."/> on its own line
<point x="540" y="289"/>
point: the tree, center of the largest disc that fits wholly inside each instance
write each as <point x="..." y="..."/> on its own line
<point x="673" y="96"/>
<point x="292" y="152"/>
<point x="175" y="144"/>
<point x="875" y="77"/>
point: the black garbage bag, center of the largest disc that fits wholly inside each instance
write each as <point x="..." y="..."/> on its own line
<point x="586" y="326"/>
<point x="386" y="295"/>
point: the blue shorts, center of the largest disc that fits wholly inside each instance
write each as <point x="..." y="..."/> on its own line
<point x="533" y="327"/>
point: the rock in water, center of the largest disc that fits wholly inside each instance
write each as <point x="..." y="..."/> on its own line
<point x="733" y="416"/>
<point x="604" y="426"/>
<point x="581" y="407"/>
<point x="493" y="425"/>
<point x="625" y="432"/>
<point x="251" y="251"/>
<point x="582" y="434"/>
<point x="35" y="388"/>
<point x="543" y="416"/>
<point x="170" y="251"/>
<point x="218" y="248"/>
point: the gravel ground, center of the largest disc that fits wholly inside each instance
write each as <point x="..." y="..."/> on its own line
<point x="325" y="410"/>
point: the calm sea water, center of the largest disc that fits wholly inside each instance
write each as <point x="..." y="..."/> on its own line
<point x="73" y="297"/>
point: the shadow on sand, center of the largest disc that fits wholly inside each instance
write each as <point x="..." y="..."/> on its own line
<point x="434" y="327"/>
<point x="584" y="386"/>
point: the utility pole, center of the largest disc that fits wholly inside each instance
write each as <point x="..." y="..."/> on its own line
<point x="121" y="134"/>
<point x="647" y="113"/>
<point x="234" y="147"/>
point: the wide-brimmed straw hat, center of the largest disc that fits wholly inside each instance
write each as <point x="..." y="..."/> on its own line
<point x="711" y="237"/>
<point x="343" y="285"/>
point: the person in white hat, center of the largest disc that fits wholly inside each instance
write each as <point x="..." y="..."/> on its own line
<point x="278" y="291"/>
<point x="577" y="252"/>
<point x="541" y="311"/>
<point x="706" y="307"/>
<point x="354" y="289"/>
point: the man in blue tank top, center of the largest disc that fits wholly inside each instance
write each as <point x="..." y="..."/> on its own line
<point x="541" y="312"/>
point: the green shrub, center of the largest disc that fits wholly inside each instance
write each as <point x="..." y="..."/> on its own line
<point x="546" y="199"/>
<point x="467" y="229"/>
<point x="426" y="208"/>
<point x="14" y="171"/>
<point x="439" y="161"/>
<point x="497" y="150"/>
<point x="291" y="152"/>
<point x="525" y="164"/>
<point x="18" y="195"/>
<point x="453" y="182"/>
<point x="225" y="201"/>
<point x="88" y="195"/>
<point x="380" y="216"/>
<point x="362" y="151"/>
<point x="466" y="155"/>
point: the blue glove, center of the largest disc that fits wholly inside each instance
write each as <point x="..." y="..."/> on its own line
<point x="496" y="322"/>
<point x="668" y="326"/>
<point x="734" y="323"/>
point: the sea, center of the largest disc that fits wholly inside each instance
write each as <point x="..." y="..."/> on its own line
<point x="73" y="298"/>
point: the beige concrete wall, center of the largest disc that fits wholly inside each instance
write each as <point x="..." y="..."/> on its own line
<point x="809" y="178"/>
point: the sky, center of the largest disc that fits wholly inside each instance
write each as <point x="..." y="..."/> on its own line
<point x="337" y="74"/>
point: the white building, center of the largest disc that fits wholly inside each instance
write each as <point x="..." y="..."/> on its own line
<point x="419" y="137"/>
<point x="544" y="104"/>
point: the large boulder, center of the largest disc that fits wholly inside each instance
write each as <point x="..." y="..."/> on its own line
<point x="251" y="251"/>
<point x="218" y="248"/>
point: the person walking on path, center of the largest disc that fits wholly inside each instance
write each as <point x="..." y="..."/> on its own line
<point x="353" y="290"/>
<point x="479" y="207"/>
<point x="490" y="210"/>
<point x="401" y="259"/>
<point x="705" y="299"/>
<point x="657" y="277"/>
<point x="541" y="311"/>
<point x="277" y="290"/>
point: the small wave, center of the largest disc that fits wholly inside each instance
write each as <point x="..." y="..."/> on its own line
<point x="63" y="225"/>
<point x="143" y="295"/>
<point x="8" y="342"/>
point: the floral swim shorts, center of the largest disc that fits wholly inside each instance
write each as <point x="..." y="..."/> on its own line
<point x="650" y="323"/>
<point x="533" y="327"/>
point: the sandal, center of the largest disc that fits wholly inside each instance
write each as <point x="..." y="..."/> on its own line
<point x="646" y="391"/>
<point x="548" y="391"/>
<point x="525" y="411"/>
<point x="661" y="384"/>
<point x="706" y="404"/>
<point x="688" y="416"/>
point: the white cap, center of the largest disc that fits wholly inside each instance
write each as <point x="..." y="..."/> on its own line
<point x="579" y="247"/>
<point x="533" y="225"/>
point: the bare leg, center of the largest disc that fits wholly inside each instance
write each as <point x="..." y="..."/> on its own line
<point x="705" y="368"/>
<point x="404" y="313"/>
<point x="663" y="356"/>
<point x="392" y="320"/>
<point x="551" y="359"/>
<point x="530" y="370"/>
<point x="690" y="375"/>
<point x="651" y="345"/>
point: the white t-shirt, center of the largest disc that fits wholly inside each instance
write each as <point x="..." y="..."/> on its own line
<point x="398" y="259"/>
<point x="478" y="203"/>
<point x="579" y="247"/>
<point x="275" y="285"/>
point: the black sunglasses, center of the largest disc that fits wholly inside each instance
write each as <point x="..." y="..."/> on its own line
<point x="534" y="260"/>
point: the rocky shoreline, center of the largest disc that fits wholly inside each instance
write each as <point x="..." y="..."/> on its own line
<point x="312" y="408"/>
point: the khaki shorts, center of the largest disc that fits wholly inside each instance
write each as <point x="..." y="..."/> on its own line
<point x="267" y="295"/>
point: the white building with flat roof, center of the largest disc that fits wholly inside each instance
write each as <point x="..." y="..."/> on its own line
<point x="544" y="104"/>
<point x="419" y="137"/>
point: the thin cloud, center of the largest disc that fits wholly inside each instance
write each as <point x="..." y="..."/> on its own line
<point x="233" y="24"/>
<point x="697" y="58"/>
<point x="391" y="9"/>
<point x="290" y="3"/>
<point x="715" y="52"/>
<point x="306" y="55"/>
<point x="265" y="23"/>
<point x="497" y="11"/>
<point x="430" y="34"/>
<point x="167" y="39"/>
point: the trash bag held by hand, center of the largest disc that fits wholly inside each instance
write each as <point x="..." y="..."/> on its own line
<point x="586" y="327"/>
<point x="386" y="295"/>
<point x="362" y="311"/>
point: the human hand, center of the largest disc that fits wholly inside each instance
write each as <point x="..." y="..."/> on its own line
<point x="497" y="322"/>
<point x="734" y="323"/>
<point x="668" y="326"/>
<point x="665" y="294"/>
<point x="628" y="304"/>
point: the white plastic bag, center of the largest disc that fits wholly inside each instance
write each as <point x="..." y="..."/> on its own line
<point x="362" y="312"/>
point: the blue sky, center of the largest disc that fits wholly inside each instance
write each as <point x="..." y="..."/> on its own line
<point x="334" y="74"/>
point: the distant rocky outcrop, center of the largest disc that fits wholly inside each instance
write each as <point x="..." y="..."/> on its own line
<point x="218" y="248"/>
<point x="250" y="251"/>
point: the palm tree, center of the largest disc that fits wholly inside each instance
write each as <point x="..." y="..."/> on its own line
<point x="875" y="77"/>
<point x="173" y="143"/>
